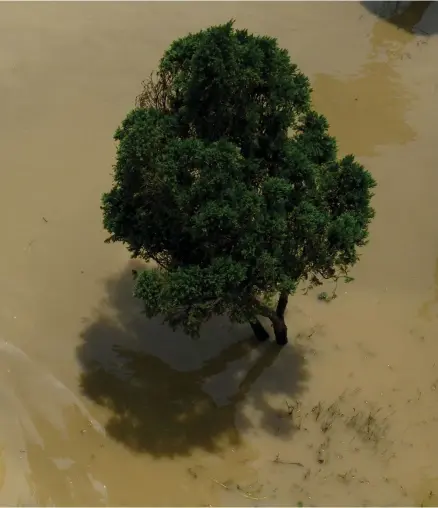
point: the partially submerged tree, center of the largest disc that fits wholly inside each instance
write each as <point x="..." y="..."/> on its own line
<point x="230" y="182"/>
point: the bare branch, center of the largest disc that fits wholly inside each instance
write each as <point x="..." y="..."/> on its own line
<point x="156" y="92"/>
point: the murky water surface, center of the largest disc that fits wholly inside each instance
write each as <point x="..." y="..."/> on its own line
<point x="100" y="406"/>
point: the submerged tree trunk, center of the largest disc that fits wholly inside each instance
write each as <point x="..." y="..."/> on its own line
<point x="280" y="330"/>
<point x="259" y="330"/>
<point x="282" y="304"/>
<point x="276" y="317"/>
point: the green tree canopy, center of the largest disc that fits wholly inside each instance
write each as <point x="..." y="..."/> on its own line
<point x="230" y="182"/>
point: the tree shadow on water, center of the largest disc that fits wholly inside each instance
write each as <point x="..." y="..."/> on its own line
<point x="416" y="17"/>
<point x="168" y="394"/>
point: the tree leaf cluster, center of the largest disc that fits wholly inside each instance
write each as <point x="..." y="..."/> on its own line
<point x="229" y="180"/>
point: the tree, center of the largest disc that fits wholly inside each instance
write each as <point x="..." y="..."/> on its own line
<point x="229" y="181"/>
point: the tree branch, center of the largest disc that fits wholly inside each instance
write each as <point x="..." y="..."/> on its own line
<point x="282" y="304"/>
<point x="264" y="310"/>
<point x="185" y="309"/>
<point x="154" y="258"/>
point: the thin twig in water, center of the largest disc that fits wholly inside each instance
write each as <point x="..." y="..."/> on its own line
<point x="249" y="496"/>
<point x="239" y="491"/>
<point x="252" y="497"/>
<point x="286" y="462"/>
<point x="219" y="483"/>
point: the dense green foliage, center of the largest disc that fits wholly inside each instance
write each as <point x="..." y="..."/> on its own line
<point x="230" y="182"/>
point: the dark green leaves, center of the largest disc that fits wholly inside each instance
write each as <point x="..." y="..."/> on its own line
<point x="233" y="186"/>
<point x="189" y="295"/>
<point x="233" y="85"/>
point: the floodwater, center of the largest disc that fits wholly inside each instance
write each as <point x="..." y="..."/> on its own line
<point x="100" y="406"/>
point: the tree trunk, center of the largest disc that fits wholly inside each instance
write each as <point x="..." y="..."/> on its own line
<point x="276" y="318"/>
<point x="259" y="330"/>
<point x="282" y="304"/>
<point x="280" y="330"/>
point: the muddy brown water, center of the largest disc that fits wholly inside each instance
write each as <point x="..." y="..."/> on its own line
<point x="100" y="406"/>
